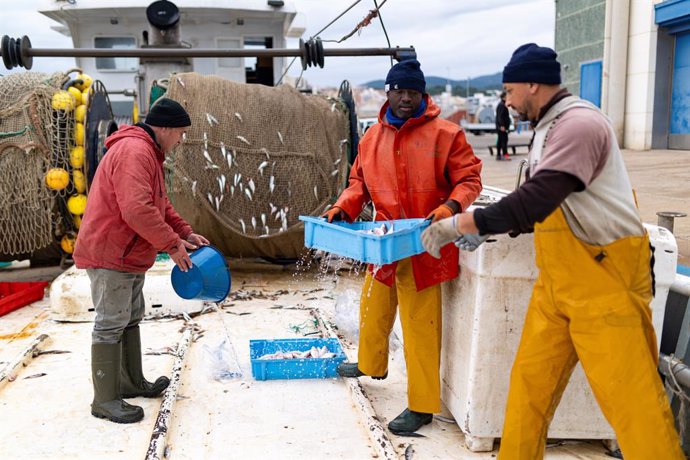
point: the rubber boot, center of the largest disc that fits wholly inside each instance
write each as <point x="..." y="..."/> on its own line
<point x="352" y="370"/>
<point x="409" y="422"/>
<point x="105" y="373"/>
<point x="133" y="383"/>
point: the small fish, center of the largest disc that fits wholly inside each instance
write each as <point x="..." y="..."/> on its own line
<point x="241" y="187"/>
<point x="239" y="117"/>
<point x="280" y="137"/>
<point x="271" y="183"/>
<point x="210" y="198"/>
<point x="264" y="150"/>
<point x="244" y="227"/>
<point x="333" y="107"/>
<point x="273" y="208"/>
<point x="184" y="136"/>
<point x="266" y="229"/>
<point x="253" y="222"/>
<point x="248" y="193"/>
<point x="33" y="376"/>
<point x="217" y="204"/>
<point x="208" y="157"/>
<point x="232" y="190"/>
<point x="334" y="173"/>
<point x="251" y="185"/>
<point x="180" y="81"/>
<point x="211" y="119"/>
<point x="210" y="166"/>
<point x="263" y="219"/>
<point x="221" y="183"/>
<point x="243" y="140"/>
<point x="262" y="166"/>
<point x="336" y="162"/>
<point x="316" y="192"/>
<point x="194" y="188"/>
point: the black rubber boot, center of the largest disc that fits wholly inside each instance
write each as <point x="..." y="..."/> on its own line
<point x="409" y="422"/>
<point x="133" y="383"/>
<point x="351" y="370"/>
<point x="105" y="373"/>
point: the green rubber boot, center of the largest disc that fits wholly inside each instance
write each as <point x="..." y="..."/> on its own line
<point x="352" y="370"/>
<point x="105" y="373"/>
<point x="132" y="382"/>
<point x="409" y="422"/>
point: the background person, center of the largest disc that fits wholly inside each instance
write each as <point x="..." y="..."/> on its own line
<point x="502" y="128"/>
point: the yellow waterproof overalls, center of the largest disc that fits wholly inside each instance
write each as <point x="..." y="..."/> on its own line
<point x="589" y="303"/>
<point x="420" y="318"/>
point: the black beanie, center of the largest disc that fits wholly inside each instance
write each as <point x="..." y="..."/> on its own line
<point x="167" y="113"/>
<point x="531" y="63"/>
<point x="406" y="75"/>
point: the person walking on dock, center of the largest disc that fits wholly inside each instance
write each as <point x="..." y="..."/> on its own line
<point x="128" y="219"/>
<point x="502" y="128"/>
<point x="412" y="164"/>
<point x="590" y="302"/>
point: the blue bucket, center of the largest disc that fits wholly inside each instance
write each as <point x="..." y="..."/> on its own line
<point x="208" y="279"/>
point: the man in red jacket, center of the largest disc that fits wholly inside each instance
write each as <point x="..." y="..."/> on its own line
<point x="128" y="220"/>
<point x="411" y="164"/>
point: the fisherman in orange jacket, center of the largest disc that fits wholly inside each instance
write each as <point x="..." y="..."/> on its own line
<point x="411" y="164"/>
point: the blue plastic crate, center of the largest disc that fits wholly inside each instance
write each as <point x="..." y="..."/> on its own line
<point x="344" y="239"/>
<point x="295" y="368"/>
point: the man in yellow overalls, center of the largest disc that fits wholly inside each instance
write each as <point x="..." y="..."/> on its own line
<point x="591" y="299"/>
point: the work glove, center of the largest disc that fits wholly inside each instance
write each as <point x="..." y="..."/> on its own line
<point x="439" y="234"/>
<point x="470" y="241"/>
<point x="335" y="213"/>
<point x="442" y="212"/>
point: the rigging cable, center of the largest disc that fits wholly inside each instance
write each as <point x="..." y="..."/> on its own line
<point x="383" y="26"/>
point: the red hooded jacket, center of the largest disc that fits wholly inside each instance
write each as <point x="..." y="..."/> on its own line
<point x="407" y="173"/>
<point x="128" y="217"/>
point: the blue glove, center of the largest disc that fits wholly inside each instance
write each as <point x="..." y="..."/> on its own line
<point x="470" y="241"/>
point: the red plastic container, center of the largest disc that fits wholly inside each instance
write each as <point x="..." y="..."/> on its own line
<point x="19" y="294"/>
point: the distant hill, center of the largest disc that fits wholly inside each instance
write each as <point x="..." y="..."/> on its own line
<point x="483" y="82"/>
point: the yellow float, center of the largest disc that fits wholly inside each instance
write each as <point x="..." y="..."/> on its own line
<point x="78" y="134"/>
<point x="77" y="221"/>
<point x="63" y="100"/>
<point x="76" y="94"/>
<point x="80" y="112"/>
<point x="57" y="178"/>
<point x="76" y="157"/>
<point x="76" y="204"/>
<point x="67" y="242"/>
<point x="87" y="80"/>
<point x="79" y="181"/>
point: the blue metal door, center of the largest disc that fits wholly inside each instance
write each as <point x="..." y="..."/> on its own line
<point x="679" y="129"/>
<point x="590" y="82"/>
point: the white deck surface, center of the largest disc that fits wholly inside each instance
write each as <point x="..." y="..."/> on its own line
<point x="48" y="416"/>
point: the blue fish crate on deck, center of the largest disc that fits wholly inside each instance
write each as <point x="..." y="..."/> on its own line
<point x="294" y="368"/>
<point x="348" y="240"/>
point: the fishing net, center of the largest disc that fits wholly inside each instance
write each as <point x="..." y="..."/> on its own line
<point x="253" y="161"/>
<point x="33" y="138"/>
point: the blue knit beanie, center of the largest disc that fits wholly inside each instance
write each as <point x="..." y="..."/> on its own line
<point x="406" y="75"/>
<point x="531" y="63"/>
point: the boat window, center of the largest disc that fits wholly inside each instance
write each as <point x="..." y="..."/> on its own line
<point x="122" y="64"/>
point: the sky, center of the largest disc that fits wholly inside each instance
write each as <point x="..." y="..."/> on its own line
<point x="455" y="39"/>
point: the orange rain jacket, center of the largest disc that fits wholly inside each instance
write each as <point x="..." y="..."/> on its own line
<point x="408" y="173"/>
<point x="128" y="216"/>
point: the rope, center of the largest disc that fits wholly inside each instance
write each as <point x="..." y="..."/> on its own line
<point x="15" y="133"/>
<point x="678" y="391"/>
<point x="378" y="7"/>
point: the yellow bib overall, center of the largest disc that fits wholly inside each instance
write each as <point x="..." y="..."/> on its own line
<point x="589" y="303"/>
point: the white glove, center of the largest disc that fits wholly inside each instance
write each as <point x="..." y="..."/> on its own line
<point x="470" y="241"/>
<point x="438" y="235"/>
